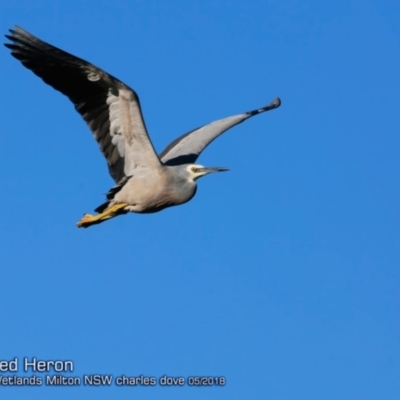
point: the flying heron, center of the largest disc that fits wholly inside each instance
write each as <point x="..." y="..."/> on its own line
<point x="145" y="182"/>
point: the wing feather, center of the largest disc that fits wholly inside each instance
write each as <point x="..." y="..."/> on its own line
<point x="110" y="108"/>
<point x="187" y="148"/>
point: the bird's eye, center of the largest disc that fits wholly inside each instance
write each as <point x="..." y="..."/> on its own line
<point x="194" y="169"/>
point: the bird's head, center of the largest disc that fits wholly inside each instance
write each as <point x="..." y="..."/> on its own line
<point x="197" y="171"/>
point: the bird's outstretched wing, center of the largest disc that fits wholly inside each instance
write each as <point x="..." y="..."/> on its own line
<point x="110" y="108"/>
<point x="188" y="147"/>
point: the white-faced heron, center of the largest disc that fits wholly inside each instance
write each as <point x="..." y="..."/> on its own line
<point x="145" y="182"/>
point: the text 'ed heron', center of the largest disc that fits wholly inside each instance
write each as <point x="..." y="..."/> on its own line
<point x="145" y="182"/>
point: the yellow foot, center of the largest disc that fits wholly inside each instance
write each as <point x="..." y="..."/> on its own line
<point x="86" y="221"/>
<point x="111" y="212"/>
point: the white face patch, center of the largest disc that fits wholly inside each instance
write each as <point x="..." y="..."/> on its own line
<point x="193" y="171"/>
<point x="190" y="167"/>
<point x="92" y="76"/>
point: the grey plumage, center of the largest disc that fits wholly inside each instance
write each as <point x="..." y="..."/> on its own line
<point x="145" y="182"/>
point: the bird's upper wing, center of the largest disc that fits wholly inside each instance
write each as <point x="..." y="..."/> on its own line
<point x="110" y="108"/>
<point x="188" y="147"/>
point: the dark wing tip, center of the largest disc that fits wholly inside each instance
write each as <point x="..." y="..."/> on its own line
<point x="271" y="106"/>
<point x="17" y="31"/>
<point x="18" y="38"/>
<point x="11" y="38"/>
<point x="275" y="103"/>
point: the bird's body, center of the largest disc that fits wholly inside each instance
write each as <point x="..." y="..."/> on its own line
<point x="145" y="182"/>
<point x="152" y="191"/>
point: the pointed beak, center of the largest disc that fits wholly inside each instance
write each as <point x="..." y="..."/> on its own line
<point x="213" y="169"/>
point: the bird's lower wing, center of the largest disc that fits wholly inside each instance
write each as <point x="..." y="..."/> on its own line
<point x="188" y="147"/>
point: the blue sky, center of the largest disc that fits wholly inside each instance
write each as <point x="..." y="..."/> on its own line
<point x="281" y="275"/>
